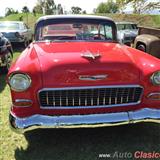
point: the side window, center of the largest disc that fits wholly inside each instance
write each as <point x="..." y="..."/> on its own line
<point x="102" y="30"/>
<point x="108" y="32"/>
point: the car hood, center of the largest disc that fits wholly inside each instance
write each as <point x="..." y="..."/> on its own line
<point x="63" y="64"/>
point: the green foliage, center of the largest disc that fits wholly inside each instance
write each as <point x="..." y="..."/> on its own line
<point x="47" y="7"/>
<point x="141" y="6"/>
<point x="25" y="9"/>
<point x="138" y="6"/>
<point x="29" y="18"/>
<point x="60" y="9"/>
<point x="107" y="7"/>
<point x="76" y="10"/>
<point x="122" y="4"/>
<point x="84" y="12"/>
<point x="144" y="20"/>
<point x="10" y="11"/>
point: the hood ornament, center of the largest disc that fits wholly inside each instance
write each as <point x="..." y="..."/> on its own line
<point x="93" y="77"/>
<point x="90" y="55"/>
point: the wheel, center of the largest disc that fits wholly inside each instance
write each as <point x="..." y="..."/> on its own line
<point x="8" y="62"/>
<point x="141" y="47"/>
<point x="25" y="43"/>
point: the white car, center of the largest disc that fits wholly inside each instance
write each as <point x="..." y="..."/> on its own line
<point x="16" y="32"/>
<point x="126" y="32"/>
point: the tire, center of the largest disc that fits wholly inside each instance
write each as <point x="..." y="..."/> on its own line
<point x="8" y="62"/>
<point x="141" y="47"/>
<point x="26" y="43"/>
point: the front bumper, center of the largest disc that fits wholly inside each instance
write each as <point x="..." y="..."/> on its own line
<point x="22" y="125"/>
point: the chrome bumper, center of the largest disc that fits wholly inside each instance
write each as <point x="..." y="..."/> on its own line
<point x="22" y="125"/>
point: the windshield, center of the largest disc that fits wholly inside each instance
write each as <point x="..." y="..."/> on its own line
<point x="126" y="26"/>
<point x="9" y="26"/>
<point x="76" y="32"/>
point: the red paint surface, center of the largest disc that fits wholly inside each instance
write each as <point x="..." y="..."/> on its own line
<point x="56" y="65"/>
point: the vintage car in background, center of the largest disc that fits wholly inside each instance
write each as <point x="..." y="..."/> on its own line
<point x="16" y="32"/>
<point x="6" y="54"/>
<point x="148" y="40"/>
<point x="126" y="32"/>
<point x="82" y="79"/>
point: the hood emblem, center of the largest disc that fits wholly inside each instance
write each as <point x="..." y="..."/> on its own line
<point x="92" y="77"/>
<point x="90" y="55"/>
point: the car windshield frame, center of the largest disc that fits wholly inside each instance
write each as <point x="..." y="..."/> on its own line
<point x="125" y="26"/>
<point x="9" y="25"/>
<point x="51" y="21"/>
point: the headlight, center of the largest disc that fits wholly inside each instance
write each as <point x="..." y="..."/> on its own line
<point x="155" y="78"/>
<point x="19" y="82"/>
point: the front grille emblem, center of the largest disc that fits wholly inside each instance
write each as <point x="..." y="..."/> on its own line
<point x="92" y="77"/>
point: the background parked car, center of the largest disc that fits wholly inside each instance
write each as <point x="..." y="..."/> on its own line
<point x="16" y="32"/>
<point x="6" y="53"/>
<point x="148" y="40"/>
<point x="126" y="32"/>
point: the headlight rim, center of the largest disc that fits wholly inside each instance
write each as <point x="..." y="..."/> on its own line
<point x="19" y="90"/>
<point x="152" y="78"/>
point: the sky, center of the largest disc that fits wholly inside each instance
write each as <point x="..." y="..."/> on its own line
<point x="87" y="5"/>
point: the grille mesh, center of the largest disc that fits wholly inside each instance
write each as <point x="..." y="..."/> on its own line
<point x="90" y="97"/>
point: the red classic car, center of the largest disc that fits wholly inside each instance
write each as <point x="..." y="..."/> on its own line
<point x="83" y="79"/>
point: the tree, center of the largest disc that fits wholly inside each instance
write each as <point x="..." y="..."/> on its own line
<point x="9" y="11"/>
<point x="25" y="9"/>
<point x="122" y="4"/>
<point x="76" y="10"/>
<point x="141" y="6"/>
<point x="49" y="7"/>
<point x="39" y="7"/>
<point x="107" y="7"/>
<point x="59" y="9"/>
<point x="45" y="7"/>
<point x="138" y="6"/>
<point x="84" y="12"/>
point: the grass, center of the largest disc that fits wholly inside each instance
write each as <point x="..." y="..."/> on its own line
<point x="71" y="144"/>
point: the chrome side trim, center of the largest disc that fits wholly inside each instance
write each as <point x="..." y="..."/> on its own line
<point x="21" y="125"/>
<point x="90" y="87"/>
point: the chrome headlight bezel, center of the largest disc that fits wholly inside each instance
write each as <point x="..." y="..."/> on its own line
<point x="23" y="78"/>
<point x="155" y="78"/>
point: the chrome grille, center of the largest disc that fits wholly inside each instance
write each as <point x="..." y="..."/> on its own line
<point x="90" y="97"/>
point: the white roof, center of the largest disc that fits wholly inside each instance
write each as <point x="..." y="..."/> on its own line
<point x="74" y="16"/>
